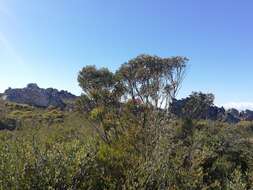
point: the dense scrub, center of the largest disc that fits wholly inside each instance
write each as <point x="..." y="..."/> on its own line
<point x="177" y="155"/>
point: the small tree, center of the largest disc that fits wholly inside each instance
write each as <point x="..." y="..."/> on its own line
<point x="100" y="86"/>
<point x="149" y="81"/>
<point x="152" y="79"/>
<point x="101" y="98"/>
<point x="92" y="79"/>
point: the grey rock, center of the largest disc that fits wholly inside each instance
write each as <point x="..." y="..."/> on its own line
<point x="35" y="96"/>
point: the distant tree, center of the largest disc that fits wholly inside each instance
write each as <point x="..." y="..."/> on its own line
<point x="234" y="112"/>
<point x="197" y="104"/>
<point x="152" y="79"/>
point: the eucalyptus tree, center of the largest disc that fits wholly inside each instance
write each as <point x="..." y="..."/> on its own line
<point x="153" y="80"/>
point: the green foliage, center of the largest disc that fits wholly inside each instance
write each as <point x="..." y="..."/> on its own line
<point x="160" y="155"/>
<point x="152" y="79"/>
<point x="91" y="79"/>
<point x="195" y="106"/>
<point x="53" y="116"/>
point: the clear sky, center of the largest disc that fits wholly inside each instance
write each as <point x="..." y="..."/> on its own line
<point x="49" y="41"/>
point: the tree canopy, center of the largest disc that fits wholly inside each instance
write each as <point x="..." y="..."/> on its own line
<point x="152" y="80"/>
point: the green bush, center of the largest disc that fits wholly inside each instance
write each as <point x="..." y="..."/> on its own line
<point x="71" y="155"/>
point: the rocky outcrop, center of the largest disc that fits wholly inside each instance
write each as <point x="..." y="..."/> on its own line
<point x="213" y="113"/>
<point x="39" y="97"/>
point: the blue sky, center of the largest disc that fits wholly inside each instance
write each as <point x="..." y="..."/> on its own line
<point x="49" y="41"/>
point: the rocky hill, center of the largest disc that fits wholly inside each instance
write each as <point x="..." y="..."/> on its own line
<point x="35" y="96"/>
